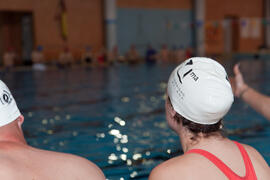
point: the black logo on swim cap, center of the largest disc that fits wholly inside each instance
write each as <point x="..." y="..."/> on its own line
<point x="189" y="62"/>
<point x="179" y="77"/>
<point x="187" y="73"/>
<point x="6" y="98"/>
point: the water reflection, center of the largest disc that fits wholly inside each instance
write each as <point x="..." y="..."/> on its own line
<point x="115" y="116"/>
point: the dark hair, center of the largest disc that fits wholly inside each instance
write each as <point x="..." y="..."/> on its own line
<point x="206" y="130"/>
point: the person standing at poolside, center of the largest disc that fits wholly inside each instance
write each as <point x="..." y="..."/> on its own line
<point x="113" y="55"/>
<point x="132" y="56"/>
<point x="38" y="59"/>
<point x="199" y="96"/>
<point x="150" y="55"/>
<point x="164" y="54"/>
<point x="65" y="58"/>
<point x="9" y="58"/>
<point x="22" y="162"/>
<point x="87" y="56"/>
<point x="258" y="101"/>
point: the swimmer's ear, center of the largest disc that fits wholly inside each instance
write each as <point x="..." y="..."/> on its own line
<point x="20" y="120"/>
<point x="172" y="111"/>
<point x="170" y="107"/>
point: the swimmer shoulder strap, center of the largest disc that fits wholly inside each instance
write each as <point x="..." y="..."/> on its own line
<point x="250" y="172"/>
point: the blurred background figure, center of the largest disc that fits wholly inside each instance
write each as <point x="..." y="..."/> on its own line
<point x="113" y="55"/>
<point x="150" y="55"/>
<point x="102" y="56"/>
<point x="164" y="54"/>
<point x="132" y="56"/>
<point x="172" y="54"/>
<point x="65" y="58"/>
<point x="189" y="53"/>
<point x="179" y="54"/>
<point x="9" y="58"/>
<point x="87" y="56"/>
<point x="262" y="50"/>
<point x="38" y="59"/>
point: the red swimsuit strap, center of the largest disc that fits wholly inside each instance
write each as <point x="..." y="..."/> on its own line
<point x="250" y="173"/>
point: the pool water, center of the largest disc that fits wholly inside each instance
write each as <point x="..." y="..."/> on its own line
<point x="114" y="116"/>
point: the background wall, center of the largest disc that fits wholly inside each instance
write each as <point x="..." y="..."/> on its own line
<point x="156" y="27"/>
<point x="17" y="5"/>
<point x="139" y="22"/>
<point x="153" y="22"/>
<point x="168" y="4"/>
<point x="218" y="10"/>
<point x="84" y="24"/>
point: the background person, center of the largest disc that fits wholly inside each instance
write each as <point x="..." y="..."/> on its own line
<point x="132" y="56"/>
<point x="9" y="58"/>
<point x="188" y="53"/>
<point x="164" y="54"/>
<point x="199" y="96"/>
<point x="113" y="55"/>
<point x="65" y="58"/>
<point x="180" y="54"/>
<point x="87" y="56"/>
<point x="102" y="56"/>
<point x="150" y="55"/>
<point x="258" y="101"/>
<point x="38" y="59"/>
<point x="21" y="161"/>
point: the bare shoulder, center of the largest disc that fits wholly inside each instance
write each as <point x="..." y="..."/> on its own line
<point x="76" y="166"/>
<point x="170" y="169"/>
<point x="25" y="162"/>
<point x="254" y="154"/>
<point x="261" y="167"/>
<point x="86" y="167"/>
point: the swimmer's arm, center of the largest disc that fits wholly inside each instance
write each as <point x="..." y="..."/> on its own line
<point x="258" y="101"/>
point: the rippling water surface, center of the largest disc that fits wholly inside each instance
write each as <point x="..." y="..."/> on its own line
<point x="114" y="116"/>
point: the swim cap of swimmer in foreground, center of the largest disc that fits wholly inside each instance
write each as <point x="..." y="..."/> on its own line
<point x="22" y="162"/>
<point x="199" y="95"/>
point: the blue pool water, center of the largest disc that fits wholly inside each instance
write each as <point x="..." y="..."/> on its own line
<point x="114" y="116"/>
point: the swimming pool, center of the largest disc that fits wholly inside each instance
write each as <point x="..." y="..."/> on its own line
<point x="114" y="116"/>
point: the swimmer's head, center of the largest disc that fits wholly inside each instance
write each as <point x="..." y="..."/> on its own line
<point x="9" y="111"/>
<point x="199" y="91"/>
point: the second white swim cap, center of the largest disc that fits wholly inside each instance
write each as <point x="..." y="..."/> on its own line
<point x="200" y="91"/>
<point x="8" y="107"/>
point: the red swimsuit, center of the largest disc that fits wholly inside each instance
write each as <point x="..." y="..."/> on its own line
<point x="250" y="173"/>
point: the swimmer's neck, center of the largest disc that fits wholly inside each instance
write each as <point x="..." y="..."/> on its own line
<point x="13" y="140"/>
<point x="200" y="142"/>
<point x="12" y="137"/>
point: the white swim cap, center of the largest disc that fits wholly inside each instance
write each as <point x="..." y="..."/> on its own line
<point x="200" y="91"/>
<point x="8" y="107"/>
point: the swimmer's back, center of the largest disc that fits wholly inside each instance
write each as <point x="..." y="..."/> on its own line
<point x="195" y="166"/>
<point x="26" y="163"/>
